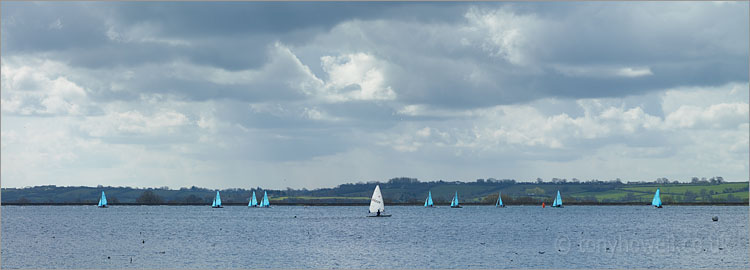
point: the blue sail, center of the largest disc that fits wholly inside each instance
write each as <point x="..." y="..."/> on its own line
<point x="657" y="200"/>
<point x="217" y="200"/>
<point x="253" y="201"/>
<point x="558" y="200"/>
<point x="499" y="200"/>
<point x="454" y="202"/>
<point x="428" y="201"/>
<point x="103" y="200"/>
<point x="264" y="202"/>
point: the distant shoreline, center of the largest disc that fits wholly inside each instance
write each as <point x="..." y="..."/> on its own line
<point x="366" y="204"/>
<point x="399" y="191"/>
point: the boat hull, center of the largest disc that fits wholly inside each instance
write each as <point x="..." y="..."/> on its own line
<point x="657" y="206"/>
<point x="217" y="206"/>
<point x="500" y="206"/>
<point x="380" y="216"/>
<point x="557" y="206"/>
<point x="103" y="206"/>
<point x="457" y="206"/>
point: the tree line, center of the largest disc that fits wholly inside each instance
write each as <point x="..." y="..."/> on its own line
<point x="406" y="190"/>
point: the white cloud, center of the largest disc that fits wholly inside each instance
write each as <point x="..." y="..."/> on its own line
<point x="634" y="72"/>
<point x="716" y="116"/>
<point x="357" y="76"/>
<point x="57" y="24"/>
<point x="526" y="125"/>
<point x="502" y="33"/>
<point x="425" y="110"/>
<point x="598" y="71"/>
<point x="674" y="99"/>
<point x="144" y="32"/>
<point x="317" y="114"/>
<point x="133" y="122"/>
<point x="425" y="132"/>
<point x="41" y="89"/>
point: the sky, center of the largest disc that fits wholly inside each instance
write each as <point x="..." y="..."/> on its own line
<point x="310" y="95"/>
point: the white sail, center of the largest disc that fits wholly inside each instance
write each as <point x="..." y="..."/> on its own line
<point x="376" y="203"/>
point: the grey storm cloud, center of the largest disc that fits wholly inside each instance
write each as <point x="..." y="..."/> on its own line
<point x="428" y="61"/>
<point x="228" y="35"/>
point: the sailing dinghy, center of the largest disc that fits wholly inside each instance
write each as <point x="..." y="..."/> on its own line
<point x="428" y="201"/>
<point x="499" y="202"/>
<point x="558" y="201"/>
<point x="264" y="203"/>
<point x="217" y="201"/>
<point x="454" y="202"/>
<point x="376" y="204"/>
<point x="253" y="202"/>
<point x="103" y="201"/>
<point x="656" y="202"/>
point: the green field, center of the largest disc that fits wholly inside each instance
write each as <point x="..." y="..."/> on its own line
<point x="645" y="193"/>
<point x="285" y="198"/>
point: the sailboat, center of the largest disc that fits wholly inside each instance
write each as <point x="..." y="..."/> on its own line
<point x="656" y="202"/>
<point x="103" y="201"/>
<point x="454" y="202"/>
<point x="376" y="204"/>
<point x="217" y="201"/>
<point x="264" y="202"/>
<point x="253" y="202"/>
<point x="428" y="201"/>
<point x="499" y="202"/>
<point x="558" y="201"/>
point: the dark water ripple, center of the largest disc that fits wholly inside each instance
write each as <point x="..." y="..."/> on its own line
<point x="342" y="237"/>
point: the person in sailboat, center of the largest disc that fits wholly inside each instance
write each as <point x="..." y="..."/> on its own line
<point x="378" y="212"/>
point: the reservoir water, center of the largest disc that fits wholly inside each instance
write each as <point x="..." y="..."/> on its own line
<point x="342" y="237"/>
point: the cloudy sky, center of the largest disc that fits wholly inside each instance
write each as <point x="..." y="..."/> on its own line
<point x="318" y="94"/>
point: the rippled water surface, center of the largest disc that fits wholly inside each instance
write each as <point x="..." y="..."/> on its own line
<point x="342" y="237"/>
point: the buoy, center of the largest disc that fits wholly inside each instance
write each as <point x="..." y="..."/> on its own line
<point x="107" y="257"/>
<point x="715" y="218"/>
<point x="144" y="241"/>
<point x="542" y="204"/>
